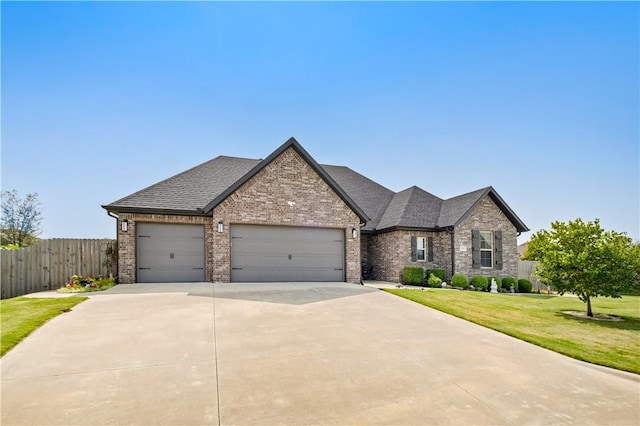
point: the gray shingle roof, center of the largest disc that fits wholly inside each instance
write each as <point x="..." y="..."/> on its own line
<point x="372" y="197"/>
<point x="412" y="208"/>
<point x="190" y="190"/>
<point x="196" y="190"/>
<point x="453" y="209"/>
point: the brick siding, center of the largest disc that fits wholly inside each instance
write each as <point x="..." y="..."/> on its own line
<point x="486" y="216"/>
<point x="286" y="192"/>
<point x="390" y="252"/>
<point x="127" y="241"/>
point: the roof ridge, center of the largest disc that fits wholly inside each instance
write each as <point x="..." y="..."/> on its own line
<point x="317" y="168"/>
<point x="359" y="174"/>
<point x="484" y="189"/>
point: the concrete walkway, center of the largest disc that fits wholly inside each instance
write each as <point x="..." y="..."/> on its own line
<point x="337" y="354"/>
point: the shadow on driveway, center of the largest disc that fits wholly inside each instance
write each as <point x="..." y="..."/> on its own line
<point x="282" y="293"/>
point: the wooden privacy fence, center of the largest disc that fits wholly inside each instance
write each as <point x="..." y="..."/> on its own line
<point x="526" y="269"/>
<point x="50" y="264"/>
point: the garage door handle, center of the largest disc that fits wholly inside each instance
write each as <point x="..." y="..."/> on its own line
<point x="290" y="257"/>
<point x="198" y="269"/>
<point x="237" y="269"/>
<point x="144" y="269"/>
<point x="337" y="269"/>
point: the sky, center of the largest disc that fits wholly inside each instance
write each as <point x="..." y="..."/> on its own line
<point x="539" y="100"/>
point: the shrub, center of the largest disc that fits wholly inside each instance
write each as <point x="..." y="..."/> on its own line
<point x="507" y="282"/>
<point x="479" y="282"/>
<point x="437" y="272"/>
<point x="434" y="281"/>
<point x="413" y="275"/>
<point x="498" y="282"/>
<point x="524" y="285"/>
<point x="459" y="280"/>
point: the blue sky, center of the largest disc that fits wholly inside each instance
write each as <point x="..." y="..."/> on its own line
<point x="539" y="100"/>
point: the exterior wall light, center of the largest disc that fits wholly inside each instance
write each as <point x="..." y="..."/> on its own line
<point x="354" y="233"/>
<point x="124" y="225"/>
<point x="220" y="226"/>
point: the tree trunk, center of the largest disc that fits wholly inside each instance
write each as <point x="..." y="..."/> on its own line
<point x="589" y="311"/>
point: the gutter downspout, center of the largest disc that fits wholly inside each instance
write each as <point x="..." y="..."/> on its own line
<point x="453" y="252"/>
<point x="115" y="216"/>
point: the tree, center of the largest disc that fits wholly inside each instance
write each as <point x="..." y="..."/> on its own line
<point x="584" y="259"/>
<point x="20" y="222"/>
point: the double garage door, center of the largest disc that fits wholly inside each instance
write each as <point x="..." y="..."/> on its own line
<point x="175" y="253"/>
<point x="284" y="253"/>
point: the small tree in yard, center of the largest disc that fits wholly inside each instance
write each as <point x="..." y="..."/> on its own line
<point x="20" y="222"/>
<point x="584" y="259"/>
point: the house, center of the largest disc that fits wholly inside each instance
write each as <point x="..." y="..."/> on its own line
<point x="288" y="218"/>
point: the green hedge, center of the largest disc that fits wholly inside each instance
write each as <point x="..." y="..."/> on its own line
<point x="435" y="271"/>
<point x="413" y="275"/>
<point x="434" y="281"/>
<point x="459" y="280"/>
<point x="524" y="285"/>
<point x="507" y="282"/>
<point x="479" y="282"/>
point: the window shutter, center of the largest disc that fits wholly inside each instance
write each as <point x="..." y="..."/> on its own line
<point x="430" y="249"/>
<point x="475" y="249"/>
<point x="414" y="248"/>
<point x="498" y="244"/>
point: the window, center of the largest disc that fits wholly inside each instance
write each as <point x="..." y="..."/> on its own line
<point x="421" y="249"/>
<point x="486" y="249"/>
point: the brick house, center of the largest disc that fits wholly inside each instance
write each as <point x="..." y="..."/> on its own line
<point x="288" y="218"/>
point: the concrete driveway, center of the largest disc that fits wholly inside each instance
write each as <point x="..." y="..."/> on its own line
<point x="337" y="354"/>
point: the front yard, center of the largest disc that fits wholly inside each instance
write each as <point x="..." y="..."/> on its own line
<point x="539" y="319"/>
<point x="22" y="315"/>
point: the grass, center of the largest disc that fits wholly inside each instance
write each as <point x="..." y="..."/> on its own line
<point x="538" y="319"/>
<point x="22" y="315"/>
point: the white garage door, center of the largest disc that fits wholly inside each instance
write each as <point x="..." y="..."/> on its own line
<point x="283" y="253"/>
<point x="169" y="253"/>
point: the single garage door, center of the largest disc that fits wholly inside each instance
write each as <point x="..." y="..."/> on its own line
<point x="169" y="253"/>
<point x="283" y="253"/>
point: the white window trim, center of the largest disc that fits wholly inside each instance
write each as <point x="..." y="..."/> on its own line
<point x="424" y="249"/>
<point x="486" y="250"/>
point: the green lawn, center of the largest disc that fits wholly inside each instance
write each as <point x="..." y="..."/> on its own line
<point x="22" y="315"/>
<point x="539" y="319"/>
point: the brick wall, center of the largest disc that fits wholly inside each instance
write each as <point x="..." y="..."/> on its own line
<point x="127" y="241"/>
<point x="486" y="216"/>
<point x="286" y="192"/>
<point x="390" y="252"/>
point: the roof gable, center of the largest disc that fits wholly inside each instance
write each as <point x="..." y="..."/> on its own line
<point x="456" y="209"/>
<point x="291" y="143"/>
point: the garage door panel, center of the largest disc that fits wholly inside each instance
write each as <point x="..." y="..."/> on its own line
<point x="279" y="253"/>
<point x="170" y="252"/>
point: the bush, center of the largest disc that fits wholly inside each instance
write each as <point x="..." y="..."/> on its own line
<point x="434" y="281"/>
<point x="498" y="282"/>
<point x="507" y="282"/>
<point x="459" y="280"/>
<point x="479" y="282"/>
<point x="413" y="275"/>
<point x="524" y="285"/>
<point x="437" y="272"/>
